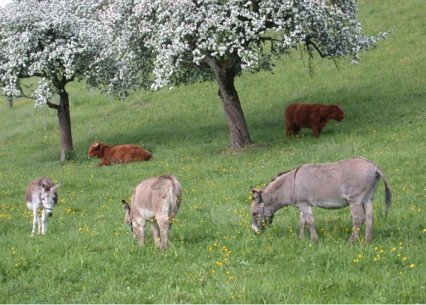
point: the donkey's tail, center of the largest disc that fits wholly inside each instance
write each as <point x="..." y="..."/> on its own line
<point x="175" y="193"/>
<point x="388" y="191"/>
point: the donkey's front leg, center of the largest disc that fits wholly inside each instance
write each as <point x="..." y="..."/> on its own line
<point x="35" y="221"/>
<point x="139" y="232"/>
<point x="43" y="222"/>
<point x="306" y="213"/>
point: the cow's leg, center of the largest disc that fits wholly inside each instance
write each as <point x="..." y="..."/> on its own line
<point x="139" y="231"/>
<point x="43" y="222"/>
<point x="357" y="218"/>
<point x="104" y="162"/>
<point x="369" y="218"/>
<point x="306" y="213"/>
<point x="35" y="221"/>
<point x="288" y="128"/>
<point x="296" y="129"/>
<point x="317" y="131"/>
<point x="156" y="233"/>
<point x="164" y="224"/>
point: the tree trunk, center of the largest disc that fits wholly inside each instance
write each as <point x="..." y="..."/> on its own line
<point x="225" y="72"/>
<point x="10" y="100"/>
<point x="64" y="124"/>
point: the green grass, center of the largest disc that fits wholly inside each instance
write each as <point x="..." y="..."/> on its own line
<point x="89" y="255"/>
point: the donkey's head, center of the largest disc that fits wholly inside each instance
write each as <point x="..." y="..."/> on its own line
<point x="262" y="215"/>
<point x="49" y="197"/>
<point x="127" y="218"/>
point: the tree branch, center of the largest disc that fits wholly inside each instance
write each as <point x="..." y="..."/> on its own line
<point x="54" y="106"/>
<point x="309" y="42"/>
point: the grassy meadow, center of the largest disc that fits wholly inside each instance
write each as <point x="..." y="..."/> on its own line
<point x="90" y="256"/>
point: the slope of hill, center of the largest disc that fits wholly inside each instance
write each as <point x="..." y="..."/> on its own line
<point x="89" y="255"/>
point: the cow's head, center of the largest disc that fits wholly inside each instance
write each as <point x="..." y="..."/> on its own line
<point x="95" y="150"/>
<point x="262" y="215"/>
<point x="338" y="113"/>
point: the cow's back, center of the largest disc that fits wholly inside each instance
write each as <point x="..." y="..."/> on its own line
<point x="302" y="114"/>
<point x="128" y="152"/>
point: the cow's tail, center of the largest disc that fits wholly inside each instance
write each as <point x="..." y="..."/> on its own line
<point x="388" y="191"/>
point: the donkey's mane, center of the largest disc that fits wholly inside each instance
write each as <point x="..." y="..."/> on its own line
<point x="277" y="176"/>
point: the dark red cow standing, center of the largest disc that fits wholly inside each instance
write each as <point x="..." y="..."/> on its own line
<point x="118" y="154"/>
<point x="314" y="116"/>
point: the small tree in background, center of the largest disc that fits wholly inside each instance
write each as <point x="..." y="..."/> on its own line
<point x="53" y="40"/>
<point x="183" y="41"/>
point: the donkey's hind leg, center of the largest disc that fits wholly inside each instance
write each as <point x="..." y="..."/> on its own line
<point x="156" y="233"/>
<point x="369" y="218"/>
<point x="357" y="219"/>
<point x="164" y="224"/>
<point x="302" y="223"/>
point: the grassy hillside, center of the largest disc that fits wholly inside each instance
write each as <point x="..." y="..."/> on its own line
<point x="89" y="255"/>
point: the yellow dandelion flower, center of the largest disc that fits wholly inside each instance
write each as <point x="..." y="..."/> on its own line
<point x="412" y="266"/>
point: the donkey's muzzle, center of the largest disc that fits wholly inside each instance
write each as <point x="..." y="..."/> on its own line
<point x="256" y="229"/>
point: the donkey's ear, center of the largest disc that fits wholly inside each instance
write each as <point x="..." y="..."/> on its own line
<point x="126" y="206"/>
<point x="257" y="195"/>
<point x="253" y="189"/>
<point x="55" y="187"/>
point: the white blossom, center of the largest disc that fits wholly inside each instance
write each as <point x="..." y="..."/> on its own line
<point x="55" y="40"/>
<point x="173" y="38"/>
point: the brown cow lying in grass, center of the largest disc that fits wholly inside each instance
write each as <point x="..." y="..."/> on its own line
<point x="314" y="116"/>
<point x="118" y="154"/>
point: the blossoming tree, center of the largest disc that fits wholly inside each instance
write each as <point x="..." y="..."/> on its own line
<point x="54" y="41"/>
<point x="183" y="41"/>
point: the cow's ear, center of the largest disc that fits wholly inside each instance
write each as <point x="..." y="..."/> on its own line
<point x="96" y="144"/>
<point x="126" y="206"/>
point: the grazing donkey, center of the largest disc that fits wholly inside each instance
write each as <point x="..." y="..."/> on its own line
<point x="326" y="185"/>
<point x="156" y="200"/>
<point x="41" y="194"/>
